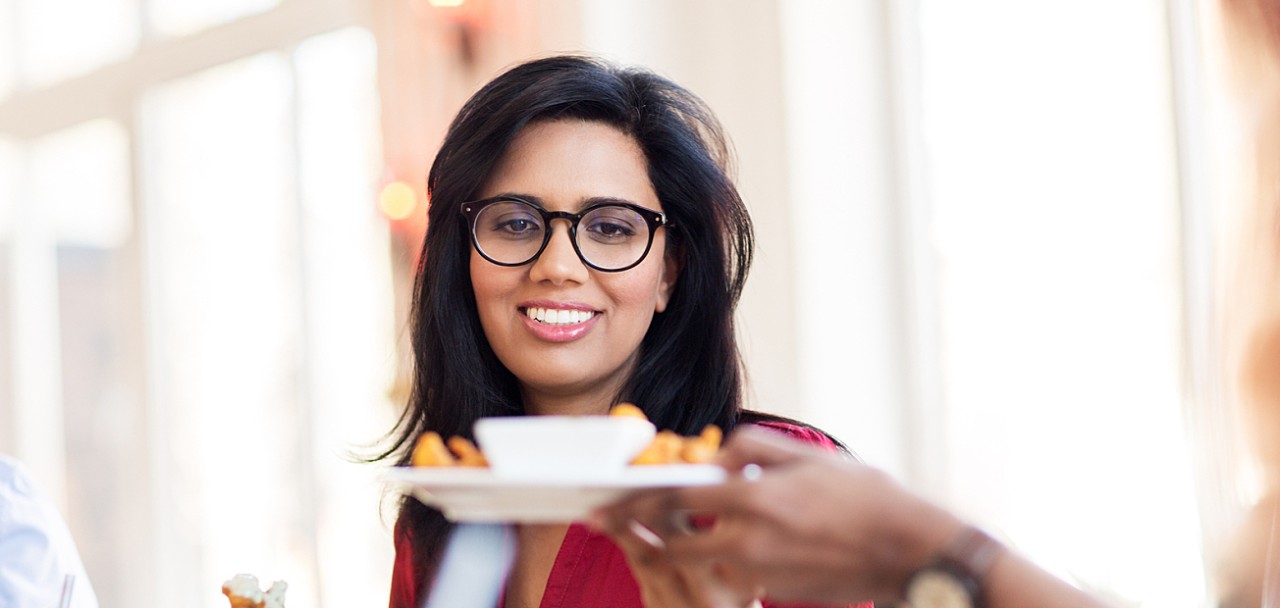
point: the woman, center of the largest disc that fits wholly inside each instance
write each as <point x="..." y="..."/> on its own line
<point x="585" y="247"/>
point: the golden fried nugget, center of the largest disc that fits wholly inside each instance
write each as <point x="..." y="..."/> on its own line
<point x="430" y="452"/>
<point x="702" y="449"/>
<point x="628" y="409"/>
<point x="468" y="454"/>
<point x="664" y="449"/>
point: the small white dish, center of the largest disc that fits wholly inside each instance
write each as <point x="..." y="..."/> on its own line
<point x="480" y="495"/>
<point x="561" y="447"/>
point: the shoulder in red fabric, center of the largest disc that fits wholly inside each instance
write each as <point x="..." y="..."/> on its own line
<point x="805" y="434"/>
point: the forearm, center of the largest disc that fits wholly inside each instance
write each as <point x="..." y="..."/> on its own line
<point x="1011" y="581"/>
<point x="1015" y="582"/>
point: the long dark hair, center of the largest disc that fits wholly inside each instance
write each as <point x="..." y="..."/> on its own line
<point x="689" y="372"/>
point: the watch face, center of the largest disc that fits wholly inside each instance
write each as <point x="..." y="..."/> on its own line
<point x="937" y="589"/>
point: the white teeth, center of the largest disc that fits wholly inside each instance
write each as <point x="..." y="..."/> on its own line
<point x="552" y="316"/>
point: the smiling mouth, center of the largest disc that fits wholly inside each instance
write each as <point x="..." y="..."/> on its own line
<point x="552" y="316"/>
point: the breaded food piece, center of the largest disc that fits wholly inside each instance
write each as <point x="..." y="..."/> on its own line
<point x="702" y="449"/>
<point x="431" y="452"/>
<point x="243" y="592"/>
<point x="628" y="409"/>
<point x="468" y="454"/>
<point x="664" y="449"/>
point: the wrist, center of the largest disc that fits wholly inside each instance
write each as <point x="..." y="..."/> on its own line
<point x="957" y="577"/>
<point x="920" y="532"/>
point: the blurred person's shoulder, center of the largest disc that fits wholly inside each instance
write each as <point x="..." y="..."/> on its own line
<point x="14" y="479"/>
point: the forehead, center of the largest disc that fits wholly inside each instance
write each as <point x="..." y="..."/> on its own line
<point x="564" y="163"/>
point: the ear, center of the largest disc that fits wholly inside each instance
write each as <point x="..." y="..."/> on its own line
<point x="672" y="261"/>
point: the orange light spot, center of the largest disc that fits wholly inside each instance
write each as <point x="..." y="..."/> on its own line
<point x="397" y="200"/>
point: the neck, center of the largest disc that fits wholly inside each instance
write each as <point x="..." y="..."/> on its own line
<point x="563" y="405"/>
<point x="586" y="398"/>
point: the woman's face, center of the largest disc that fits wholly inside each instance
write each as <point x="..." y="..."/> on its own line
<point x="578" y="364"/>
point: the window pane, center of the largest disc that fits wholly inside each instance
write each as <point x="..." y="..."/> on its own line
<point x="63" y="38"/>
<point x="10" y="160"/>
<point x="80" y="178"/>
<point x="1056" y="234"/>
<point x="225" y="266"/>
<point x="350" y="329"/>
<point x="8" y="47"/>
<point x="181" y="17"/>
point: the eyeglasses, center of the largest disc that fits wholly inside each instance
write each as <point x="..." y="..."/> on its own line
<point x="512" y="232"/>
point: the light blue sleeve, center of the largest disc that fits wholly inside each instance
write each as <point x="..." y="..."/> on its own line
<point x="36" y="549"/>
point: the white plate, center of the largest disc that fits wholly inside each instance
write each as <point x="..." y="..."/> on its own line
<point x="472" y="494"/>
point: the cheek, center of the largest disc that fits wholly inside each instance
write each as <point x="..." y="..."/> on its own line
<point x="488" y="287"/>
<point x="640" y="292"/>
<point x="479" y="285"/>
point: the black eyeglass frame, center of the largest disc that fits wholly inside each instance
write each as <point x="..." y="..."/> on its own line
<point x="471" y="210"/>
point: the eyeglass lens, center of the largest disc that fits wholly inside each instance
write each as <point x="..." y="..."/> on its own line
<point x="608" y="237"/>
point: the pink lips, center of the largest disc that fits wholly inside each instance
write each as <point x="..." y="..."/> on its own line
<point x="558" y="333"/>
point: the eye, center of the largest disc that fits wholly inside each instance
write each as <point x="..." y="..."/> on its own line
<point x="517" y="225"/>
<point x="510" y="221"/>
<point x="613" y="224"/>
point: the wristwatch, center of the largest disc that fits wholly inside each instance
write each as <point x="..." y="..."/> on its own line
<point x="954" y="579"/>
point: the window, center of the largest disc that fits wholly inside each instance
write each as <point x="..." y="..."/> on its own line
<point x="182" y="17"/>
<point x="104" y="31"/>
<point x="78" y="181"/>
<point x="201" y="335"/>
<point x="1055" y="222"/>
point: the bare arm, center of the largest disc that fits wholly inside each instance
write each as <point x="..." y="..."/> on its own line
<point x="815" y="527"/>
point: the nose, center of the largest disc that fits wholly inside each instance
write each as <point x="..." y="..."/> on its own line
<point x="559" y="262"/>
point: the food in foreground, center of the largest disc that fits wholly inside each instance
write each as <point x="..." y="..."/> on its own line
<point x="667" y="447"/>
<point x="430" y="452"/>
<point x="702" y="449"/>
<point x="468" y="454"/>
<point x="627" y="409"/>
<point x="243" y="592"/>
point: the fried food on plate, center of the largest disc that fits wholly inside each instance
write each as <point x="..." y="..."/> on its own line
<point x="468" y="454"/>
<point x="243" y="592"/>
<point x="628" y="409"/>
<point x="430" y="452"/>
<point x="667" y="446"/>
<point x="702" y="449"/>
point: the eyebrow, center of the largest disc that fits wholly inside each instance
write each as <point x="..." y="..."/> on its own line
<point x="588" y="202"/>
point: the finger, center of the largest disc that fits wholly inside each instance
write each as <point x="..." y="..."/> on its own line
<point x="643" y="506"/>
<point x="665" y="523"/>
<point x="722" y="542"/>
<point x="676" y="512"/>
<point x="715" y="590"/>
<point x="641" y="546"/>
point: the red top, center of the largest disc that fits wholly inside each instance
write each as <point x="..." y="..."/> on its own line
<point x="590" y="571"/>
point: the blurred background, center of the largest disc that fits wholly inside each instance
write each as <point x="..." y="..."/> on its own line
<point x="990" y="250"/>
